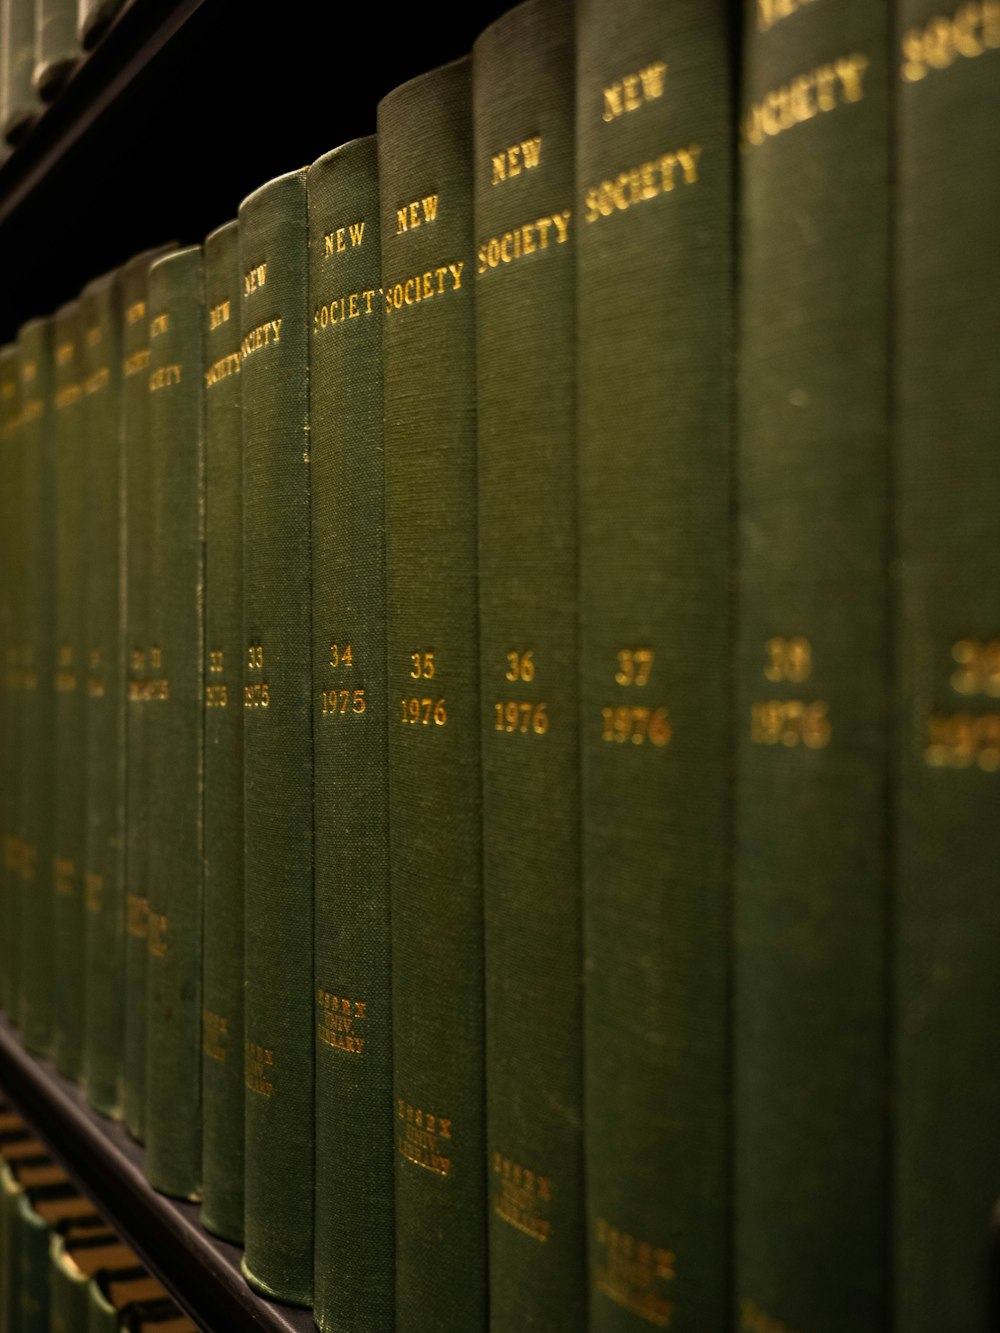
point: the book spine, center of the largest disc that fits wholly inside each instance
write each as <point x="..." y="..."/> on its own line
<point x="10" y="1250"/>
<point x="136" y="507"/>
<point x="277" y="740"/>
<point x="811" y="670"/>
<point x="175" y="723"/>
<point x="67" y="1290"/>
<point x="102" y="1317"/>
<point x="33" y="1277"/>
<point x="56" y="49"/>
<point x="70" y="806"/>
<point x="38" y="700"/>
<point x="12" y="557"/>
<point x="222" y="1009"/>
<point x="104" y="1018"/>
<point x="354" y="1284"/>
<point x="18" y="100"/>
<point x="525" y="336"/>
<point x="654" y="306"/>
<point x="425" y="187"/>
<point x="946" y="72"/>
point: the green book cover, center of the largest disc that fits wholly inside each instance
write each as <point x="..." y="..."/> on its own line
<point x="355" y="1256"/>
<point x="136" y="507"/>
<point x="654" y="201"/>
<point x="33" y="1272"/>
<point x="175" y="724"/>
<point x="10" y="1250"/>
<point x="70" y="806"/>
<point x="523" y="71"/>
<point x="12" y="558"/>
<point x="277" y="740"/>
<point x="38" y="703"/>
<point x="222" y="968"/>
<point x="425" y="187"/>
<point x="810" y="920"/>
<point x="946" y="75"/>
<point x="103" y="943"/>
<point x="18" y="99"/>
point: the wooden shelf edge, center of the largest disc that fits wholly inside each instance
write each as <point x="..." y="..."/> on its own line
<point x="201" y="1272"/>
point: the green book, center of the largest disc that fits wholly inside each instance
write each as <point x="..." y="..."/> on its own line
<point x="56" y="48"/>
<point x="38" y="700"/>
<point x="136" y="506"/>
<point x="425" y="186"/>
<point x="354" y="1280"/>
<point x="946" y="767"/>
<point x="10" y="1250"/>
<point x="175" y="724"/>
<point x="33" y="1269"/>
<point x="18" y="99"/>
<point x="810" y="999"/>
<point x="11" y="561"/>
<point x="523" y="74"/>
<point x="103" y="944"/>
<point x="222" y="964"/>
<point x="69" y="808"/>
<point x="102" y="1317"/>
<point x="654" y="302"/>
<point x="277" y="741"/>
<point x="68" y="1294"/>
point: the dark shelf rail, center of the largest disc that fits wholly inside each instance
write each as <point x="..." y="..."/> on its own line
<point x="201" y="1272"/>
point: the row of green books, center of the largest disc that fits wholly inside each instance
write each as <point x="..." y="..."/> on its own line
<point x="500" y="739"/>
<point x="63" y="1268"/>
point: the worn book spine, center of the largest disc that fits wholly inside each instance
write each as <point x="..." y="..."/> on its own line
<point x="523" y="67"/>
<point x="103" y="944"/>
<point x="222" y="969"/>
<point x="425" y="187"/>
<point x="135" y="506"/>
<point x="654" y="204"/>
<point x="277" y="740"/>
<point x="18" y="99"/>
<point x="946" y="72"/>
<point x="175" y="723"/>
<point x="355" y="1259"/>
<point x="811" y="1075"/>
<point x="56" y="47"/>
<point x="69" y="807"/>
<point x="38" y="700"/>
<point x="11" y="558"/>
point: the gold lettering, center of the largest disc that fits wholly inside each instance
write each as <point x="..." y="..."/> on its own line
<point x="630" y="1272"/>
<point x="770" y="12"/>
<point x="416" y="213"/>
<point x="219" y="370"/>
<point x="135" y="363"/>
<point x="254" y="278"/>
<point x="818" y="90"/>
<point x="264" y="335"/>
<point x="137" y="916"/>
<point x="159" y="324"/>
<point x="973" y="29"/>
<point x="98" y="380"/>
<point x="164" y="377"/>
<point x="525" y="240"/>
<point x="519" y="157"/>
<point x="135" y="312"/>
<point x="639" y="184"/>
<point x="214" y="1036"/>
<point x="219" y="314"/>
<point x="633" y="90"/>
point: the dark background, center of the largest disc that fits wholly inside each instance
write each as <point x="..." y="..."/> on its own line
<point x="184" y="108"/>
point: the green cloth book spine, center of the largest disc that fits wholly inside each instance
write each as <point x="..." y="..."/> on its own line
<point x="12" y="547"/>
<point x="56" y="48"/>
<point x="70" y="805"/>
<point x="810" y="921"/>
<point x="38" y="699"/>
<point x="277" y="740"/>
<point x="175" y="723"/>
<point x="946" y="76"/>
<point x="222" y="1003"/>
<point x="654" y="197"/>
<point x="523" y="71"/>
<point x="102" y="1317"/>
<point x="425" y="188"/>
<point x="10" y="1250"/>
<point x="136" y="506"/>
<point x="18" y="99"/>
<point x="33" y="1280"/>
<point x="68" y="1289"/>
<point x="104" y="1016"/>
<point x="355" y="1257"/>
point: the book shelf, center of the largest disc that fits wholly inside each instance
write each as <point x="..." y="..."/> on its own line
<point x="182" y="109"/>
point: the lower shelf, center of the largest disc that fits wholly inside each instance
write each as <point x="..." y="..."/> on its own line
<point x="202" y="1273"/>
